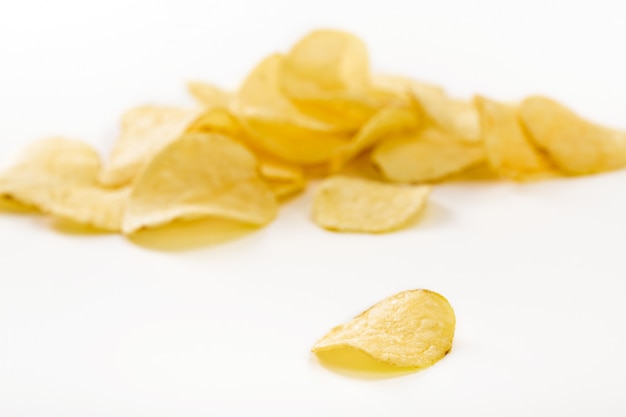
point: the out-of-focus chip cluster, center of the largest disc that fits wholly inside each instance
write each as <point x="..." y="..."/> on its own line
<point x="310" y="113"/>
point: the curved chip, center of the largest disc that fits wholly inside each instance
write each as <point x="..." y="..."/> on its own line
<point x="275" y="125"/>
<point x="59" y="176"/>
<point x="508" y="149"/>
<point x="387" y="122"/>
<point x="200" y="175"/>
<point x="357" y="205"/>
<point x="410" y="329"/>
<point x="144" y="131"/>
<point x="428" y="155"/>
<point x="575" y="145"/>
<point x="284" y="180"/>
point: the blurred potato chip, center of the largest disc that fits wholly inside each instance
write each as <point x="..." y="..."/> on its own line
<point x="275" y="125"/>
<point x="387" y="122"/>
<point x="284" y="180"/>
<point x="208" y="95"/>
<point x="458" y="117"/>
<point x="356" y="205"/>
<point x="428" y="155"/>
<point x="199" y="175"/>
<point x="327" y="75"/>
<point x="144" y="131"/>
<point x="59" y="176"/>
<point x="219" y="120"/>
<point x="575" y="145"/>
<point x="508" y="149"/>
<point x="326" y="61"/>
<point x="410" y="329"/>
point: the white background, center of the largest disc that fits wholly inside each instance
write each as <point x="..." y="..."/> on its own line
<point x="193" y="322"/>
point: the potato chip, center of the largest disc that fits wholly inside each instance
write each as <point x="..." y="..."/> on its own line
<point x="508" y="149"/>
<point x="219" y="120"/>
<point x="428" y="155"/>
<point x="387" y="122"/>
<point x="575" y="145"/>
<point x="209" y="96"/>
<point x="412" y="329"/>
<point x="284" y="180"/>
<point x="458" y="117"/>
<point x="327" y="75"/>
<point x="200" y="175"/>
<point x="144" y="131"/>
<point x="326" y="61"/>
<point x="275" y="125"/>
<point x="59" y="176"/>
<point x="357" y="205"/>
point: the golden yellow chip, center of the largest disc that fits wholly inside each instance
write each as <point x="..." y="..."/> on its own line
<point x="285" y="180"/>
<point x="326" y="61"/>
<point x="59" y="176"/>
<point x="357" y="205"/>
<point x="576" y="146"/>
<point x="275" y="125"/>
<point x="428" y="155"/>
<point x="219" y="120"/>
<point x="209" y="96"/>
<point x="459" y="118"/>
<point x="410" y="329"/>
<point x="200" y="175"/>
<point x="508" y="149"/>
<point x="387" y="122"/>
<point x="144" y="131"/>
<point x="327" y="75"/>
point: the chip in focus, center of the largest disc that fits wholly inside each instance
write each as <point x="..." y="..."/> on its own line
<point x="428" y="155"/>
<point x="576" y="146"/>
<point x="413" y="329"/>
<point x="357" y="205"/>
<point x="200" y="175"/>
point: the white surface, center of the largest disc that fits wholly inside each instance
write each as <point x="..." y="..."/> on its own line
<point x="98" y="325"/>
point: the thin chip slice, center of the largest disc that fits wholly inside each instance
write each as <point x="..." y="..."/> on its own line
<point x="357" y="205"/>
<point x="208" y="95"/>
<point x="200" y="175"/>
<point x="575" y="145"/>
<point x="59" y="176"/>
<point x="428" y="155"/>
<point x="387" y="122"/>
<point x="144" y="131"/>
<point x="326" y="61"/>
<point x="327" y="75"/>
<point x="404" y="87"/>
<point x="285" y="180"/>
<point x="508" y="149"/>
<point x="275" y="125"/>
<point x="458" y="117"/>
<point x="410" y="329"/>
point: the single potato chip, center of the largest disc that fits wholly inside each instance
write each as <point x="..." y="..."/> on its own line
<point x="144" y="131"/>
<point x="403" y="87"/>
<point x="508" y="149"/>
<point x="208" y="95"/>
<point x="327" y="76"/>
<point x="410" y="329"/>
<point x="59" y="176"/>
<point x="200" y="175"/>
<point x="357" y="205"/>
<point x="428" y="155"/>
<point x="276" y="126"/>
<point x="284" y="180"/>
<point x="576" y="146"/>
<point x="387" y="122"/>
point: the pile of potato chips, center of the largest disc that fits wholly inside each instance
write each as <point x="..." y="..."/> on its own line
<point x="316" y="111"/>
